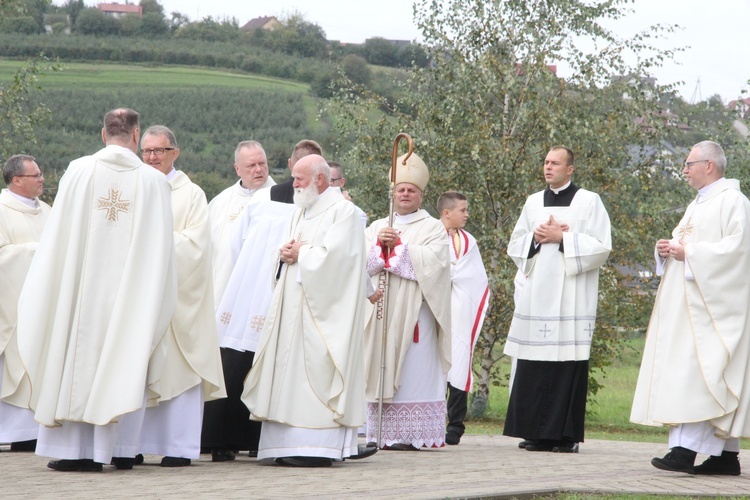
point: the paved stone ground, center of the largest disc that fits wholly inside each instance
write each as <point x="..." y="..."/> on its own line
<point x="480" y="467"/>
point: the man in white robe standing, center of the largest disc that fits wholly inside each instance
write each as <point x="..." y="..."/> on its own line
<point x="559" y="243"/>
<point x="251" y="166"/>
<point x="470" y="295"/>
<point x="418" y="345"/>
<point x="695" y="375"/>
<point x="307" y="381"/>
<point x="22" y="218"/>
<point x="97" y="299"/>
<point x="192" y="371"/>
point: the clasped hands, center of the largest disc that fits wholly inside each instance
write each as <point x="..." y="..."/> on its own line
<point x="667" y="248"/>
<point x="289" y="252"/>
<point x="550" y="232"/>
<point x="388" y="237"/>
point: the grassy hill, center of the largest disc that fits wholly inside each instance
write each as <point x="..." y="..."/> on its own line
<point x="210" y="111"/>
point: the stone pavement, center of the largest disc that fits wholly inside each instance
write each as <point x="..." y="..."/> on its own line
<point x="480" y="467"/>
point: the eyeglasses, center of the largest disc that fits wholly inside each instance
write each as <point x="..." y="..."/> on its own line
<point x="334" y="179"/>
<point x="689" y="164"/>
<point x="156" y="151"/>
<point x="35" y="176"/>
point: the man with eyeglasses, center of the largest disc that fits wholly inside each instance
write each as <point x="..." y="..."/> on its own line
<point x="22" y="219"/>
<point x="97" y="299"/>
<point x="192" y="371"/>
<point x="251" y="166"/>
<point x="338" y="181"/>
<point x="695" y="376"/>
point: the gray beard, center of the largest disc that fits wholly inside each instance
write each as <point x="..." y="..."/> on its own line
<point x="305" y="197"/>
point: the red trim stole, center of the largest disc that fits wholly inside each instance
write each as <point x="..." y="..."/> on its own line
<point x="385" y="254"/>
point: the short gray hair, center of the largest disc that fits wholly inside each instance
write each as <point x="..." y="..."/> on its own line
<point x="321" y="167"/>
<point x="247" y="144"/>
<point x="162" y="130"/>
<point x="15" y="167"/>
<point x="711" y="150"/>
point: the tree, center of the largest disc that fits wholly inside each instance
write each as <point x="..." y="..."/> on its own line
<point x="92" y="21"/>
<point x="486" y="112"/>
<point x="152" y="7"/>
<point x="356" y="69"/>
<point x="21" y="109"/>
<point x="73" y="8"/>
<point x="153" y="25"/>
<point x="381" y="52"/>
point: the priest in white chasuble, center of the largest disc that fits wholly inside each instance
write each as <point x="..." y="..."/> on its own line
<point x="22" y="219"/>
<point x="98" y="298"/>
<point x="559" y="243"/>
<point x="418" y="345"/>
<point x="251" y="166"/>
<point x="307" y="381"/>
<point x="192" y="372"/>
<point x="695" y="375"/>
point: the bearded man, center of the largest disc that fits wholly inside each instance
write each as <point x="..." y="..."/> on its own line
<point x="307" y="381"/>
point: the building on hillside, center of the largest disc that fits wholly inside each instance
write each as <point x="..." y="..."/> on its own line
<point x="117" y="10"/>
<point x="269" y="23"/>
<point x="741" y="106"/>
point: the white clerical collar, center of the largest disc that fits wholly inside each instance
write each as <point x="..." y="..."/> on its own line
<point x="557" y="191"/>
<point x="32" y="202"/>
<point x="703" y="192"/>
<point x="245" y="190"/>
<point x="405" y="219"/>
<point x="171" y="174"/>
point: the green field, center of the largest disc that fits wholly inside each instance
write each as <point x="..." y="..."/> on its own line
<point x="210" y="111"/>
<point x="102" y="76"/>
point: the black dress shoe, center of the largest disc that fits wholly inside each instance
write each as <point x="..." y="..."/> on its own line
<point x="452" y="438"/>
<point x="139" y="459"/>
<point x="252" y="453"/>
<point x="123" y="463"/>
<point x="401" y="447"/>
<point x="304" y="461"/>
<point x="679" y="459"/>
<point x="728" y="464"/>
<point x="175" y="462"/>
<point x="23" y="445"/>
<point x="222" y="455"/>
<point x="364" y="452"/>
<point x="565" y="447"/>
<point x="541" y="445"/>
<point x="523" y="444"/>
<point x="81" y="465"/>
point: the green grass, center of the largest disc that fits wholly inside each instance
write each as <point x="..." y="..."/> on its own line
<point x="100" y="75"/>
<point x="608" y="415"/>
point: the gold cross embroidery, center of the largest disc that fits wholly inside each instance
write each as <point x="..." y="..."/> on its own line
<point x="233" y="217"/>
<point x="686" y="230"/>
<point x="113" y="204"/>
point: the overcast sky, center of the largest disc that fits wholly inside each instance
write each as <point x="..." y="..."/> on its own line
<point x="716" y="31"/>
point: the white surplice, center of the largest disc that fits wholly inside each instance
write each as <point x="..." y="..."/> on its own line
<point x="224" y="210"/>
<point x="470" y="296"/>
<point x="555" y="313"/>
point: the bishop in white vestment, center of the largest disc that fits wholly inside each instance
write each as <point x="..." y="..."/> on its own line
<point x="418" y="346"/>
<point x="22" y="218"/>
<point x="307" y="381"/>
<point x="695" y="375"/>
